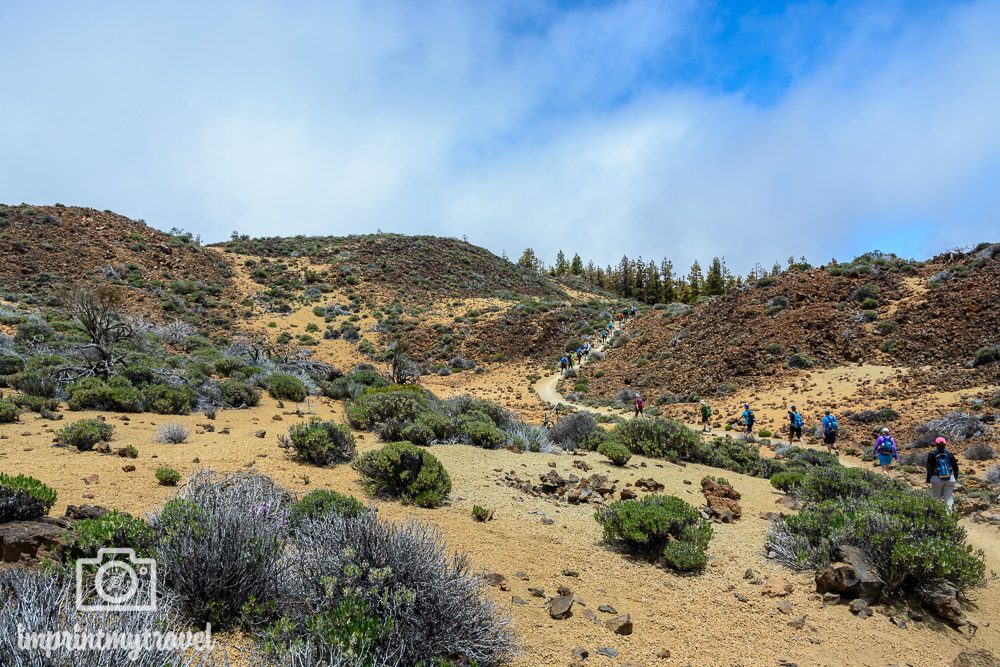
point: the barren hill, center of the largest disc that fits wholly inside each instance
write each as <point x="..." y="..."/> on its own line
<point x="167" y="276"/>
<point x="876" y="310"/>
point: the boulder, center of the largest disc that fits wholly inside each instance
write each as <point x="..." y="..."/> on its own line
<point x="852" y="576"/>
<point x="712" y="488"/>
<point x="859" y="607"/>
<point x="776" y="587"/>
<point x="980" y="657"/>
<point x="22" y="541"/>
<point x="941" y="597"/>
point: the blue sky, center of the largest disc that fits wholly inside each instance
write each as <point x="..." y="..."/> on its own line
<point x="684" y="129"/>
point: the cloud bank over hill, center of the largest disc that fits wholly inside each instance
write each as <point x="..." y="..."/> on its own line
<point x="686" y="130"/>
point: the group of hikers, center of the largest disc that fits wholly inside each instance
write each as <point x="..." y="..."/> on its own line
<point x="941" y="465"/>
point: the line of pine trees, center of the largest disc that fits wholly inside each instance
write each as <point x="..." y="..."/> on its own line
<point x="647" y="282"/>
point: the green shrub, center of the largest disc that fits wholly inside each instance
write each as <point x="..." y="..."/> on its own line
<point x="592" y="442"/>
<point x="93" y="393"/>
<point x="323" y="442"/>
<point x="113" y="530"/>
<point x="24" y="498"/>
<point x="827" y="483"/>
<point x="734" y="455"/>
<point x="764" y="433"/>
<point x="34" y="403"/>
<point x="403" y="470"/>
<point x="238" y="394"/>
<point x="167" y="476"/>
<point x="418" y="433"/>
<point x="480" y="433"/>
<point x="788" y="481"/>
<point x="36" y="382"/>
<point x="86" y="433"/>
<point x="801" y="361"/>
<point x="657" y="438"/>
<point x="9" y="412"/>
<point x="869" y="304"/>
<point x="480" y="513"/>
<point x="986" y="355"/>
<point x="129" y="452"/>
<point x="382" y="404"/>
<point x="169" y="399"/>
<point x="283" y="386"/>
<point x="616" y="452"/>
<point x="322" y="502"/>
<point x="229" y="366"/>
<point x="658" y="526"/>
<point x="352" y="384"/>
<point x="10" y="364"/>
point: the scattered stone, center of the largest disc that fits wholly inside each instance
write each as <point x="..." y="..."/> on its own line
<point x="547" y="521"/>
<point x="196" y="460"/>
<point x="942" y="599"/>
<point x="564" y="590"/>
<point x="859" y="607"/>
<point x="687" y="482"/>
<point x="785" y="607"/>
<point x="128" y="468"/>
<point x="980" y="657"/>
<point x="649" y="484"/>
<point x="537" y="592"/>
<point x="852" y="575"/>
<point x="776" y="587"/>
<point x="628" y="494"/>
<point x="552" y="464"/>
<point x="561" y="607"/>
<point x="261" y="434"/>
<point x="721" y="501"/>
<point x="831" y="598"/>
<point x="620" y="625"/>
<point x="589" y="615"/>
<point x="797" y="622"/>
<point x="497" y="581"/>
<point x="78" y="513"/>
<point x="607" y="609"/>
<point x="570" y="573"/>
<point x="582" y="465"/>
<point x="276" y="418"/>
<point x="91" y="479"/>
<point x="102" y="448"/>
<point x="898" y="621"/>
<point x="580" y="653"/>
<point x="523" y="576"/>
<point x="517" y="600"/>
<point x="663" y="654"/>
<point x="739" y="596"/>
<point x="607" y="651"/>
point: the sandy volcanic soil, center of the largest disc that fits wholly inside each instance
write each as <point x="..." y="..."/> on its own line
<point x="698" y="618"/>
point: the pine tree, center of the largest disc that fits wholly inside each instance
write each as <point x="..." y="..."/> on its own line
<point x="654" y="288"/>
<point x="667" y="271"/>
<point x="695" y="282"/>
<point x="576" y="267"/>
<point x="561" y="267"/>
<point x="714" y="282"/>
<point x="529" y="261"/>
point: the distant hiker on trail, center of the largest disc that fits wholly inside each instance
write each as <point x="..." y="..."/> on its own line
<point x="563" y="363"/>
<point x="586" y="349"/>
<point x="633" y="310"/>
<point x="706" y="414"/>
<point x="570" y="357"/>
<point x="639" y="405"/>
<point x="794" y="425"/>
<point x="942" y="472"/>
<point x="579" y="356"/>
<point x="830" y="428"/>
<point x="885" y="450"/>
<point x="748" y="419"/>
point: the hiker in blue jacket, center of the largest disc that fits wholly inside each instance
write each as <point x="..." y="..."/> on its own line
<point x="748" y="418"/>
<point x="563" y="363"/>
<point x="794" y="425"/>
<point x="830" y="428"/>
<point x="885" y="450"/>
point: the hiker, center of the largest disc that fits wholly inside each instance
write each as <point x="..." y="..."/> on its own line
<point x="942" y="472"/>
<point x="586" y="349"/>
<point x="579" y="356"/>
<point x="706" y="414"/>
<point x="570" y="357"/>
<point x="885" y="450"/>
<point x="551" y="419"/>
<point x="633" y="311"/>
<point x="830" y="427"/>
<point x="639" y="405"/>
<point x="563" y="363"/>
<point x="748" y="418"/>
<point x="794" y="425"/>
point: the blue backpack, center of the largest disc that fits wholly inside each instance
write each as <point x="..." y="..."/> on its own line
<point x="887" y="444"/>
<point x="944" y="470"/>
<point x="796" y="420"/>
<point x="831" y="424"/>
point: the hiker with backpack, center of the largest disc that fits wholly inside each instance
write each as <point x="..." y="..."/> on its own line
<point x="633" y="311"/>
<point x="639" y="406"/>
<point x="706" y="415"/>
<point x="570" y="358"/>
<point x="942" y="472"/>
<point x="885" y="450"/>
<point x="563" y="363"/>
<point x="830" y="428"/>
<point x="579" y="356"/>
<point x="794" y="425"/>
<point x="748" y="418"/>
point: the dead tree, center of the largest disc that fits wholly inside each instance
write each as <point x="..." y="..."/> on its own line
<point x="403" y="369"/>
<point x="99" y="312"/>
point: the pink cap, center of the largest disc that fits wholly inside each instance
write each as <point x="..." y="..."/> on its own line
<point x="941" y="441"/>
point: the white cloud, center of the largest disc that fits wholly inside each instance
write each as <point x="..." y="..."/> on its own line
<point x="517" y="127"/>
